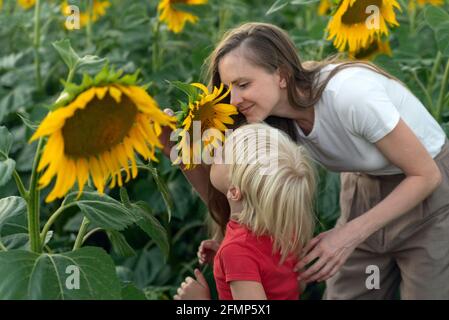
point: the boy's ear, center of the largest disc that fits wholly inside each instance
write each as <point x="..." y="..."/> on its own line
<point x="234" y="193"/>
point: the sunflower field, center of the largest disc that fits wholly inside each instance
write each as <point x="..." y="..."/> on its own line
<point x="90" y="208"/>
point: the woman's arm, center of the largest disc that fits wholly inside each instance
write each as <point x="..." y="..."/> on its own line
<point x="403" y="149"/>
<point x="247" y="290"/>
<point x="199" y="179"/>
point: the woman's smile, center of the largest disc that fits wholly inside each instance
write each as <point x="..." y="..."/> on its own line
<point x="247" y="109"/>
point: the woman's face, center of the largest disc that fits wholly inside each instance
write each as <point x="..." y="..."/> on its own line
<point x="255" y="92"/>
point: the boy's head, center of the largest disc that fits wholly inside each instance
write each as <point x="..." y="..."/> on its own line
<point x="273" y="179"/>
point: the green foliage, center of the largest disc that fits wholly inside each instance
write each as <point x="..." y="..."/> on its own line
<point x="146" y="234"/>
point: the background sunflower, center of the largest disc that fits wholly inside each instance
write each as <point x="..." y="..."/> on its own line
<point x="174" y="17"/>
<point x="349" y="27"/>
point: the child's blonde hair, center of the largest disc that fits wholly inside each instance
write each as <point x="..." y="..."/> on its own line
<point x="277" y="182"/>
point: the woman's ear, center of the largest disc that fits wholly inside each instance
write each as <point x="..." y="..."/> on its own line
<point x="283" y="83"/>
<point x="282" y="78"/>
<point x="234" y="193"/>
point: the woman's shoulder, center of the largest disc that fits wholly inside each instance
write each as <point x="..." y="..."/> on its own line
<point x="352" y="81"/>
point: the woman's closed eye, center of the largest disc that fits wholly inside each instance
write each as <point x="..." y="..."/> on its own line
<point x="243" y="85"/>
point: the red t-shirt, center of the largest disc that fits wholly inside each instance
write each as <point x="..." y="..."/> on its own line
<point x="245" y="257"/>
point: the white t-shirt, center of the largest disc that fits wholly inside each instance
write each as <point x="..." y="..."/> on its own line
<point x="359" y="107"/>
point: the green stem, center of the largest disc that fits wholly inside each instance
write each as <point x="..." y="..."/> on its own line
<point x="52" y="219"/>
<point x="412" y="16"/>
<point x="321" y="51"/>
<point x="433" y="74"/>
<point x="33" y="203"/>
<point x="443" y="89"/>
<point x="424" y="90"/>
<point x="156" y="48"/>
<point x="2" y="247"/>
<point x="71" y="74"/>
<point x="89" y="24"/>
<point x="91" y="232"/>
<point x="81" y="233"/>
<point x="36" y="44"/>
<point x="23" y="192"/>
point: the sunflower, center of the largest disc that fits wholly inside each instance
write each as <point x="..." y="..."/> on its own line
<point x="95" y="131"/>
<point x="432" y="2"/>
<point x="421" y="3"/>
<point x="212" y="114"/>
<point x="350" y="23"/>
<point x="98" y="10"/>
<point x="374" y="49"/>
<point x="324" y="7"/>
<point x="175" y="18"/>
<point x="26" y="4"/>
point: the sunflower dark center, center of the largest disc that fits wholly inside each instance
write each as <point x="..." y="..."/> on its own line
<point x="357" y="13"/>
<point x="366" y="52"/>
<point x="100" y="126"/>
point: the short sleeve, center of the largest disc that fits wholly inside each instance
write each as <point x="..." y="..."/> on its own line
<point x="239" y="263"/>
<point x="364" y="106"/>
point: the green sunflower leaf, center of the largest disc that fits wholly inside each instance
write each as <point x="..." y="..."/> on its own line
<point x="152" y="226"/>
<point x="102" y="210"/>
<point x="435" y="16"/>
<point x="276" y="6"/>
<point x="147" y="222"/>
<point x="6" y="170"/>
<point x="6" y="140"/>
<point x="68" y="55"/>
<point x="11" y="207"/>
<point x="119" y="244"/>
<point x="188" y="89"/>
<point x="90" y="62"/>
<point x="87" y="273"/>
<point x="442" y="36"/>
<point x="130" y="292"/>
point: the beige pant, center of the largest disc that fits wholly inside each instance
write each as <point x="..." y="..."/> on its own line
<point x="411" y="253"/>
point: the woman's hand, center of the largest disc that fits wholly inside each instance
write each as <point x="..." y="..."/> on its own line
<point x="207" y="251"/>
<point x="192" y="289"/>
<point x="331" y="249"/>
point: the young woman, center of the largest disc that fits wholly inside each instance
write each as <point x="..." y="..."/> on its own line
<point x="356" y="119"/>
<point x="269" y="183"/>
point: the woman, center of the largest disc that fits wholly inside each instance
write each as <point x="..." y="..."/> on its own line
<point x="355" y="119"/>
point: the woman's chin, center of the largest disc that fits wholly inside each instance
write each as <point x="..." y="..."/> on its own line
<point x="250" y="118"/>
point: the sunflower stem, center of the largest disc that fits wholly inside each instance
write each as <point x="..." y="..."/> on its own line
<point x="412" y="18"/>
<point x="424" y="90"/>
<point x="444" y="83"/>
<point x="23" y="192"/>
<point x="2" y="247"/>
<point x="71" y="74"/>
<point x="433" y="74"/>
<point x="33" y="203"/>
<point x="52" y="219"/>
<point x="81" y="233"/>
<point x="89" y="24"/>
<point x="155" y="56"/>
<point x="36" y="44"/>
<point x="321" y="50"/>
<point x="91" y="232"/>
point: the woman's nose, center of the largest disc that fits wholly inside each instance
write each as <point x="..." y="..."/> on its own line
<point x="236" y="99"/>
